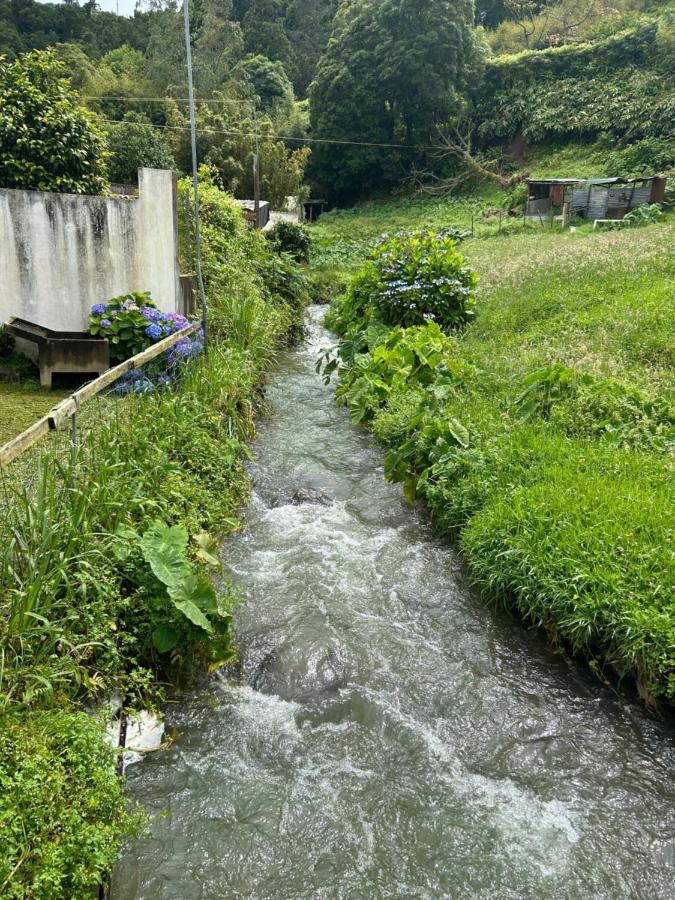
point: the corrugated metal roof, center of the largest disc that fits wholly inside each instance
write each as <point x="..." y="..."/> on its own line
<point x="589" y="181"/>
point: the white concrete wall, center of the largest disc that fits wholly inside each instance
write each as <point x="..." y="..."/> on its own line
<point x="61" y="253"/>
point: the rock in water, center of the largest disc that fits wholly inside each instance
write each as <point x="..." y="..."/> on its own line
<point x="299" y="672"/>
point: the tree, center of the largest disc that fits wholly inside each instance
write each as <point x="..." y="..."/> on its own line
<point x="47" y="143"/>
<point x="264" y="33"/>
<point x="133" y="144"/>
<point x="392" y="70"/>
<point x="268" y="82"/>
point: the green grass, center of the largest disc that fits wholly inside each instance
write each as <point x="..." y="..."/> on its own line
<point x="21" y="405"/>
<point x="565" y="513"/>
<point x="341" y="238"/>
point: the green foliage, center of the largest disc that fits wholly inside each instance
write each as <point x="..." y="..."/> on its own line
<point x="133" y="145"/>
<point x="291" y="238"/>
<point x="645" y="215"/>
<point x="391" y="71"/>
<point x="182" y="606"/>
<point x="617" y="88"/>
<point x="62" y="810"/>
<point x="31" y="25"/>
<point x="412" y="278"/>
<point x="7" y="344"/>
<point x="47" y="143"/>
<point x="395" y="359"/>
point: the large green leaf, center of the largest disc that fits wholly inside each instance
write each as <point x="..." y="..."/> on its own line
<point x="194" y="614"/>
<point x="198" y="590"/>
<point x="165" y="638"/>
<point x="164" y="550"/>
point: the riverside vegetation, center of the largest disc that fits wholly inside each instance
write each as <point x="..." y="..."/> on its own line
<point x="532" y="414"/>
<point x="107" y="569"/>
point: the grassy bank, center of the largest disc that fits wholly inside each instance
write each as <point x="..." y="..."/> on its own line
<point x="107" y="567"/>
<point x="539" y="434"/>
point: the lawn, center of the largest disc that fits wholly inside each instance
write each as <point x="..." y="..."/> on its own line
<point x="21" y="404"/>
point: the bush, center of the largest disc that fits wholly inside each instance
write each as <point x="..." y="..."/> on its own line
<point x="131" y="323"/>
<point x="7" y="344"/>
<point x="412" y="278"/>
<point x="47" y="143"/>
<point x="62" y="808"/>
<point x="291" y="238"/>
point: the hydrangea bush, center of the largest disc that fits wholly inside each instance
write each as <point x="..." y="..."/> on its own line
<point x="131" y="323"/>
<point x="412" y="278"/>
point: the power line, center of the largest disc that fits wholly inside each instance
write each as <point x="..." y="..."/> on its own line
<point x="162" y="99"/>
<point x="281" y="137"/>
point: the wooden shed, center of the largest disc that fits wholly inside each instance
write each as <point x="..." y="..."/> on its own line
<point x="592" y="198"/>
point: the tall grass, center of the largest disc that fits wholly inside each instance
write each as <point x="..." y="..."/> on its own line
<point x="560" y="492"/>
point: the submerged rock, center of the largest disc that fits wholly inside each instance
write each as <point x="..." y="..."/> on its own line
<point x="303" y="495"/>
<point x="297" y="672"/>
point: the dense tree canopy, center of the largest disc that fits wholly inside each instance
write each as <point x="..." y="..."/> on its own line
<point x="392" y="70"/>
<point x="47" y="142"/>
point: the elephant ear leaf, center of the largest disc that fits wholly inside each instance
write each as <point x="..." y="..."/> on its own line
<point x="163" y="548"/>
<point x="196" y="598"/>
<point x="194" y="614"/>
<point x="165" y="638"/>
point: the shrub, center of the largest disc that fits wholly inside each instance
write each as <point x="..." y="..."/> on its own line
<point x="7" y="344"/>
<point x="291" y="238"/>
<point x="132" y="322"/>
<point x="62" y="808"/>
<point x="47" y="143"/>
<point x="397" y="360"/>
<point x="414" y="277"/>
<point x="644" y="215"/>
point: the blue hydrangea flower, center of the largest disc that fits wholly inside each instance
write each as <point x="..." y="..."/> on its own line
<point x="166" y="329"/>
<point x="151" y="314"/>
<point x="105" y="323"/>
<point x="154" y="332"/>
<point x="98" y="309"/>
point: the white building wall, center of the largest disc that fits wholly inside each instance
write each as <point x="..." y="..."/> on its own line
<point x="61" y="253"/>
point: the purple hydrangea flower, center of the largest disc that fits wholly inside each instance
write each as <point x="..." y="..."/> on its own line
<point x="154" y="332"/>
<point x="151" y="314"/>
<point x="98" y="309"/>
<point x="105" y="323"/>
<point x="164" y="379"/>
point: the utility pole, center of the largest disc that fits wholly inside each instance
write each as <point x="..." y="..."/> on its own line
<point x="256" y="171"/>
<point x="195" y="183"/>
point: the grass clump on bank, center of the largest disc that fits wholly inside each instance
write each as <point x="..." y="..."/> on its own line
<point x="108" y="566"/>
<point x="542" y="438"/>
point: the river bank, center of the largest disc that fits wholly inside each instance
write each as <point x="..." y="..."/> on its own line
<point x="106" y="559"/>
<point x="556" y="476"/>
<point x="393" y="735"/>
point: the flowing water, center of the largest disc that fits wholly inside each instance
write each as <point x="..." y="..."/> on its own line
<point x="393" y="736"/>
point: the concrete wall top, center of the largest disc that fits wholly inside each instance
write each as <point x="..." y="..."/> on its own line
<point x="61" y="253"/>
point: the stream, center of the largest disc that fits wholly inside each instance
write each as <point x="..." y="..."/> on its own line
<point x="393" y="736"/>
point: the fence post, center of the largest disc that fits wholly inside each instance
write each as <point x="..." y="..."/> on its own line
<point x="73" y="442"/>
